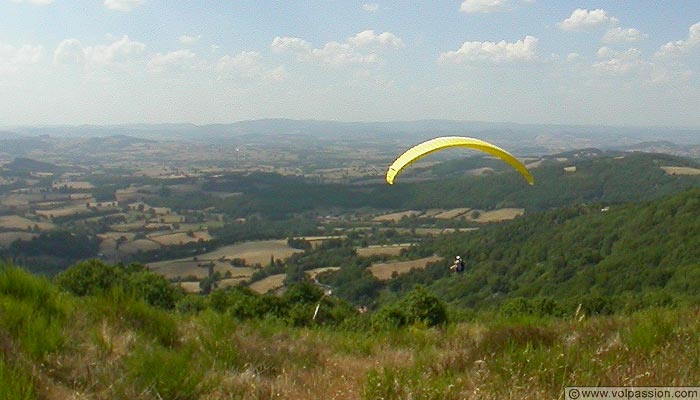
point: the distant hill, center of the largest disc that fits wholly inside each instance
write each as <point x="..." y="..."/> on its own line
<point x="533" y="139"/>
<point x="609" y="178"/>
<point x="20" y="164"/>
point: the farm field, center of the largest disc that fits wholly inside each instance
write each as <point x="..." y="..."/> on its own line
<point x="501" y="214"/>
<point x="254" y="252"/>
<point x="178" y="238"/>
<point x="198" y="269"/>
<point x="16" y="222"/>
<point x="270" y="283"/>
<point x="681" y="171"/>
<point x="396" y="217"/>
<point x="6" y="238"/>
<point x="392" y="250"/>
<point x="454" y="213"/>
<point x="384" y="271"/>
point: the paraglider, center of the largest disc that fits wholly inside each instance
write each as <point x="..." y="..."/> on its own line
<point x="423" y="149"/>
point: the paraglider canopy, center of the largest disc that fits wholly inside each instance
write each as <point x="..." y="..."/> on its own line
<point x="421" y="150"/>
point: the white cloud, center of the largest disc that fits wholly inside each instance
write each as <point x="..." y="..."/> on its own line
<point x="621" y="35"/>
<point x="188" y="40"/>
<point x="522" y="50"/>
<point x="619" y="63"/>
<point x="173" y="60"/>
<point x="359" y="49"/>
<point x="584" y="20"/>
<point x="369" y="39"/>
<point x="122" y="51"/>
<point x="248" y="64"/>
<point x="573" y="57"/>
<point x="370" y="7"/>
<point x="122" y="5"/>
<point x="484" y="6"/>
<point x="682" y="47"/>
<point x="35" y="2"/>
<point x="69" y="51"/>
<point x="12" y="58"/>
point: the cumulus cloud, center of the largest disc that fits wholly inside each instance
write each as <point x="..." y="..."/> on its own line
<point x="359" y="49"/>
<point x="122" y="51"/>
<point x="188" y="40"/>
<point x="122" y="5"/>
<point x="682" y="47"/>
<point x="12" y="58"/>
<point x="584" y="20"/>
<point x="621" y="35"/>
<point x="369" y="39"/>
<point x="484" y="6"/>
<point x="521" y="50"/>
<point x="173" y="60"/>
<point x="249" y="64"/>
<point x="69" y="51"/>
<point x="370" y="7"/>
<point x="620" y="63"/>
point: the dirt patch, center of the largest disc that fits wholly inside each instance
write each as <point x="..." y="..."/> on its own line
<point x="384" y="271"/>
<point x="681" y="171"/>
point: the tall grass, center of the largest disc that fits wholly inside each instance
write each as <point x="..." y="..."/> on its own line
<point x="33" y="311"/>
<point x="15" y="383"/>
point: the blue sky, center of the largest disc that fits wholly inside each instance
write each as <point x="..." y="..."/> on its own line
<point x="609" y="62"/>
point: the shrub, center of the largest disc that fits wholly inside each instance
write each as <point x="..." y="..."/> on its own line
<point x="417" y="307"/>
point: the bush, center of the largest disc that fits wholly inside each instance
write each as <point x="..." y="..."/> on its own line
<point x="417" y="307"/>
<point x="89" y="278"/>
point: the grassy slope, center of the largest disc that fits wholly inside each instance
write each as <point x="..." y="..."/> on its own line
<point x="56" y="346"/>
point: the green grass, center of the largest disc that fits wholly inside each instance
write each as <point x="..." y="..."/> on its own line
<point x="15" y="383"/>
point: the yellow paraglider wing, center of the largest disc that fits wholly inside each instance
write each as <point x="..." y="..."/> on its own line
<point x="419" y="151"/>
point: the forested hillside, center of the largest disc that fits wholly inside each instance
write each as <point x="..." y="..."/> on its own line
<point x="621" y="256"/>
<point x="605" y="177"/>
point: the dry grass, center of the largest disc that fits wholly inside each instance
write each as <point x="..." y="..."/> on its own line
<point x="197" y="268"/>
<point x="502" y="214"/>
<point x="64" y="211"/>
<point x="454" y="213"/>
<point x="393" y="250"/>
<point x="6" y="238"/>
<point x="20" y="223"/>
<point x="396" y="217"/>
<point x="681" y="171"/>
<point x="73" y="185"/>
<point x="171" y="239"/>
<point x="384" y="271"/>
<point x="257" y="252"/>
<point x="272" y="282"/>
<point x="313" y="272"/>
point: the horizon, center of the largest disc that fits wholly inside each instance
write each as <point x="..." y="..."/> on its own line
<point x="544" y="62"/>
